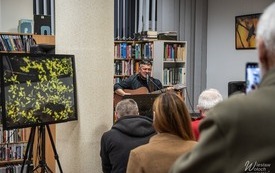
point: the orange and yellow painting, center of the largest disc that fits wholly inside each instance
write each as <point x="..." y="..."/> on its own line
<point x="245" y="31"/>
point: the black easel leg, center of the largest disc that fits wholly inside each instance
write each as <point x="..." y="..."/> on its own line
<point x="54" y="149"/>
<point x="29" y="150"/>
<point x="42" y="163"/>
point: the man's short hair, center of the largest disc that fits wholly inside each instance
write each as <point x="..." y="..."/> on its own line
<point x="266" y="28"/>
<point x="145" y="62"/>
<point x="209" y="98"/>
<point x="127" y="107"/>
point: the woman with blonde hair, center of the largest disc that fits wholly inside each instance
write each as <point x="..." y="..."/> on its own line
<point x="174" y="137"/>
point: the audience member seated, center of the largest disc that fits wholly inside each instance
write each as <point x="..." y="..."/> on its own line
<point x="237" y="136"/>
<point x="174" y="137"/>
<point x="129" y="131"/>
<point x="207" y="99"/>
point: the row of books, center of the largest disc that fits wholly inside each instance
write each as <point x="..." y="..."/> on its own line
<point x="172" y="76"/>
<point x="174" y="52"/>
<point x="123" y="67"/>
<point x="126" y="67"/>
<point x="13" y="169"/>
<point x="123" y="51"/>
<point x="137" y="51"/>
<point x="13" y="136"/>
<point x="143" y="51"/>
<point x="12" y="151"/>
<point x="151" y="36"/>
<point x="16" y="42"/>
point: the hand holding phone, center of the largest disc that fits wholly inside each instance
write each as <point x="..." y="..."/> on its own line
<point x="252" y="76"/>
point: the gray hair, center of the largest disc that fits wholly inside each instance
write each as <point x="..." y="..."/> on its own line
<point x="209" y="98"/>
<point x="266" y="28"/>
<point x="126" y="107"/>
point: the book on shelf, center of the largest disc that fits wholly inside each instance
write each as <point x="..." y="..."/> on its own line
<point x="136" y="67"/>
<point x="7" y="42"/>
<point x="148" y="35"/>
<point x="25" y="26"/>
<point x="168" y="35"/>
<point x="147" y="50"/>
<point x="137" y="51"/>
<point x="2" y="45"/>
<point x="172" y="76"/>
<point x="181" y="54"/>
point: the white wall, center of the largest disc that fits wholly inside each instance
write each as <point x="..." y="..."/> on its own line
<point x="11" y="11"/>
<point x="86" y="29"/>
<point x="224" y="62"/>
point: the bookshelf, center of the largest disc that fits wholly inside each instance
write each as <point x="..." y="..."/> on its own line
<point x="12" y="146"/>
<point x="15" y="42"/>
<point x="127" y="55"/>
<point x="20" y="43"/>
<point x="13" y="163"/>
<point x="170" y="62"/>
<point x="168" y="57"/>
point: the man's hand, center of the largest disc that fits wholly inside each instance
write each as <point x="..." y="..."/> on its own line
<point x="170" y="88"/>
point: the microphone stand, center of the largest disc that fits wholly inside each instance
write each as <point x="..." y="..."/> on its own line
<point x="153" y="83"/>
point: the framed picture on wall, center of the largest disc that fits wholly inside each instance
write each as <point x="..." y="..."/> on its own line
<point x="245" y="31"/>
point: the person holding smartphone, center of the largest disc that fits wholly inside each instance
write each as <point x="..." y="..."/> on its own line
<point x="237" y="134"/>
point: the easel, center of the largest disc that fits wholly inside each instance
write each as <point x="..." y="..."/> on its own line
<point x="29" y="151"/>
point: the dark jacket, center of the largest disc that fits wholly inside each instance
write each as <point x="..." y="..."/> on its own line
<point x="136" y="81"/>
<point x="126" y="134"/>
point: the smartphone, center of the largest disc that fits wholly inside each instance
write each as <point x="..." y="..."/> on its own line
<point x="252" y="76"/>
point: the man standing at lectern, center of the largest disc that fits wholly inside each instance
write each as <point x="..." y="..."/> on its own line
<point x="142" y="79"/>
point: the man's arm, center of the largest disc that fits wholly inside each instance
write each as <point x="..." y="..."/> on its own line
<point x="124" y="84"/>
<point x="210" y="154"/>
<point x="121" y="92"/>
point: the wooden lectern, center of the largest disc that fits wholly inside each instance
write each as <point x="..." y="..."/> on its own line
<point x="144" y="101"/>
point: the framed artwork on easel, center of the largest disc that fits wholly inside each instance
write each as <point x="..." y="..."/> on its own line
<point x="245" y="31"/>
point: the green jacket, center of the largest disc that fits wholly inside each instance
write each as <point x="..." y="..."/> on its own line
<point x="237" y="135"/>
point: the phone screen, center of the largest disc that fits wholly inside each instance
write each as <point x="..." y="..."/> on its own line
<point x="252" y="76"/>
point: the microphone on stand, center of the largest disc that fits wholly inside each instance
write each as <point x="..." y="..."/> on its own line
<point x="149" y="79"/>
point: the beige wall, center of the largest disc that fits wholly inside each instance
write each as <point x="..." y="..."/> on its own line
<point x="11" y="11"/>
<point x="85" y="28"/>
